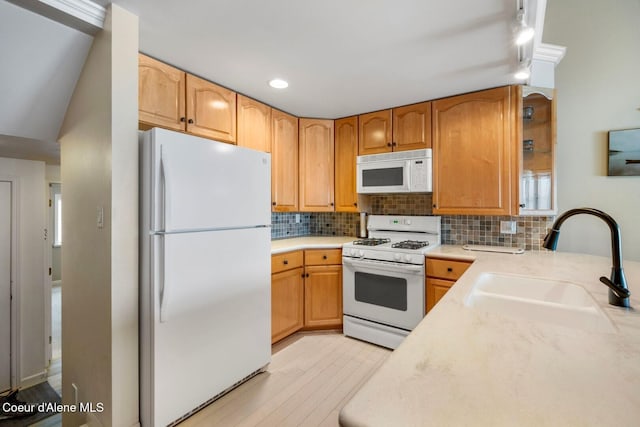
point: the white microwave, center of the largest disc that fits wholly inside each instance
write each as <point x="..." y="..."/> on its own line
<point x="398" y="172"/>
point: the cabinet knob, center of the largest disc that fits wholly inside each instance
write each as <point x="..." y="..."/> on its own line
<point x="182" y="119"/>
<point x="388" y="144"/>
<point x="190" y="121"/>
<point x="306" y="275"/>
<point x="302" y="275"/>
<point x="434" y="205"/>
<point x="449" y="269"/>
<point x="324" y="257"/>
<point x="331" y="204"/>
<point x="522" y="205"/>
<point x="394" y="144"/>
<point x="355" y="203"/>
<point x="285" y="262"/>
<point x="273" y="203"/>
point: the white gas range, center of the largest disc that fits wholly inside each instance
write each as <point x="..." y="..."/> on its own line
<point x="383" y="278"/>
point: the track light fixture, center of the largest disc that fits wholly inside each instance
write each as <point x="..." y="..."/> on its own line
<point x="524" y="32"/>
<point x="523" y="36"/>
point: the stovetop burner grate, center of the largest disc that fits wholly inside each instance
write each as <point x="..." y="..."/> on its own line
<point x="371" y="242"/>
<point x="410" y="244"/>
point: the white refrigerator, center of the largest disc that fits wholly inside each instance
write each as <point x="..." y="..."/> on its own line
<point x="205" y="289"/>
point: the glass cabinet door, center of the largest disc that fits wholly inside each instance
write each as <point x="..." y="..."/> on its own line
<point x="537" y="165"/>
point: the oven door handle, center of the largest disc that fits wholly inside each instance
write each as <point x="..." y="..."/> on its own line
<point x="385" y="266"/>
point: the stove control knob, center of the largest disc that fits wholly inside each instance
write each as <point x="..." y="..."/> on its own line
<point x="352" y="252"/>
<point x="361" y="254"/>
<point x="407" y="258"/>
<point x="408" y="222"/>
<point x="396" y="257"/>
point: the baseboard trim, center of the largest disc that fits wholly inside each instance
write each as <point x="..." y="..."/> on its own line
<point x="32" y="380"/>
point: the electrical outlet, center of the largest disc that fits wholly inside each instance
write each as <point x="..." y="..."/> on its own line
<point x="297" y="218"/>
<point x="508" y="227"/>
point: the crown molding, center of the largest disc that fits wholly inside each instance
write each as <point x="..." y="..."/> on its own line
<point x="549" y="53"/>
<point x="83" y="15"/>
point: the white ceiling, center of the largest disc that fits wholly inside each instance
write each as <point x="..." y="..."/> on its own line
<point x="340" y="57"/>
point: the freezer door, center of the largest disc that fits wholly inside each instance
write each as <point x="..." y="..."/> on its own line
<point x="211" y="316"/>
<point x="203" y="184"/>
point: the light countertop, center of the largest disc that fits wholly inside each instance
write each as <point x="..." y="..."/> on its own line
<point x="309" y="242"/>
<point x="466" y="366"/>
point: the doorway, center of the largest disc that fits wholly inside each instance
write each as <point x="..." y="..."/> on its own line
<point x="5" y="284"/>
<point x="55" y="220"/>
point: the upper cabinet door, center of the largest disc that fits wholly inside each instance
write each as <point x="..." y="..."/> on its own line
<point x="474" y="155"/>
<point x="211" y="110"/>
<point x="161" y="96"/>
<point x="254" y="124"/>
<point x="316" y="165"/>
<point x="412" y="127"/>
<point x="346" y="152"/>
<point x="284" y="162"/>
<point x="375" y="132"/>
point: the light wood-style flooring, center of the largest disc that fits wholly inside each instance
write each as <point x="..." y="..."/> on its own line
<point x="310" y="378"/>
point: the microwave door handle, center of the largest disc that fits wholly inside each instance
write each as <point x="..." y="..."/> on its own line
<point x="407" y="175"/>
<point x="405" y="268"/>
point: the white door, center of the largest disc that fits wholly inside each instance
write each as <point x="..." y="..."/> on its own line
<point x="5" y="285"/>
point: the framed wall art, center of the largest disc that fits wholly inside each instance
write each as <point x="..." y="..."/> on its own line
<point x="624" y="152"/>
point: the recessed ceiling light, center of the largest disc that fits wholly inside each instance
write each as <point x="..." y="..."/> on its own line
<point x="278" y="83"/>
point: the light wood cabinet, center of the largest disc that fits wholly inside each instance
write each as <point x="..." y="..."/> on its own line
<point x="211" y="110"/>
<point x="374" y="132"/>
<point x="474" y="159"/>
<point x="400" y="129"/>
<point x="323" y="288"/>
<point x="161" y="89"/>
<point x="441" y="274"/>
<point x="173" y="99"/>
<point x="346" y="146"/>
<point x="254" y="124"/>
<point x="306" y="291"/>
<point x="284" y="162"/>
<point x="287" y="303"/>
<point x="412" y="127"/>
<point x="316" y="165"/>
<point x="323" y="296"/>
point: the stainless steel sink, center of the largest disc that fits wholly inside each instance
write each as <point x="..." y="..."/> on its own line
<point x="539" y="300"/>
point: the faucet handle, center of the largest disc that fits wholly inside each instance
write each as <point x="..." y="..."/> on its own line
<point x="617" y="289"/>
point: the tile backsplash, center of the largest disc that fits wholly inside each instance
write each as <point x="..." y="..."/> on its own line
<point x="485" y="230"/>
<point x="283" y="224"/>
<point x="456" y="229"/>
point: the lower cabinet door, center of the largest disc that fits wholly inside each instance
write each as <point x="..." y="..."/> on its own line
<point x="323" y="296"/>
<point x="436" y="288"/>
<point x="287" y="303"/>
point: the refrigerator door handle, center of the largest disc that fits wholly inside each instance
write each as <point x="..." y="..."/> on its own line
<point x="163" y="288"/>
<point x="166" y="194"/>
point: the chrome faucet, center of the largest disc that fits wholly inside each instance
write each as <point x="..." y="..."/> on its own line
<point x="618" y="290"/>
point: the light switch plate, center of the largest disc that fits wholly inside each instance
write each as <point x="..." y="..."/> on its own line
<point x="508" y="227"/>
<point x="297" y="218"/>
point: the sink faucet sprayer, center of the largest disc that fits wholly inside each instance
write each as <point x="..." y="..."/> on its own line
<point x="618" y="290"/>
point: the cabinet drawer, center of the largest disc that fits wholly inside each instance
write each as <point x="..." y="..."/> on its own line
<point x="286" y="261"/>
<point x="446" y="269"/>
<point x="323" y="256"/>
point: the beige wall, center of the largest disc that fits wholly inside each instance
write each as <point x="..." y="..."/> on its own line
<point x="99" y="162"/>
<point x="598" y="90"/>
<point x="29" y="179"/>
